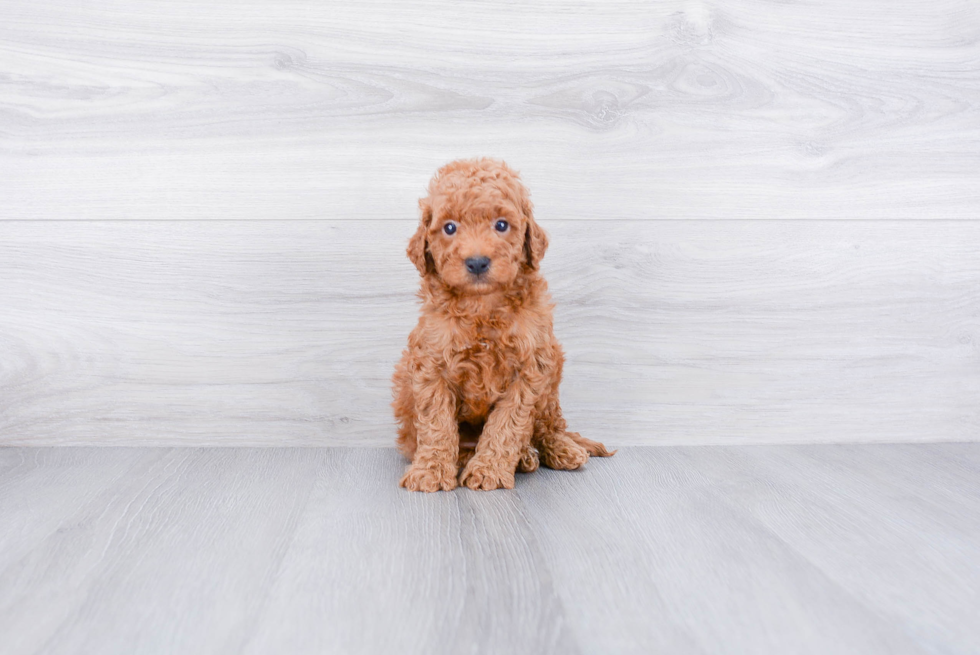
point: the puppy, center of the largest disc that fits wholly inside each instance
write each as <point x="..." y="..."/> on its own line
<point x="477" y="386"/>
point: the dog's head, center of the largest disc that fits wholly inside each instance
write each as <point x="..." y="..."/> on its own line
<point x="476" y="231"/>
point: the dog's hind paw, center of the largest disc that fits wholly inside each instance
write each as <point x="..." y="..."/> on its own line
<point x="564" y="456"/>
<point x="528" y="463"/>
<point x="594" y="448"/>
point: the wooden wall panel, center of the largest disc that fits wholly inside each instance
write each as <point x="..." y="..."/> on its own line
<point x="613" y="110"/>
<point x="286" y="332"/>
<point x="189" y="322"/>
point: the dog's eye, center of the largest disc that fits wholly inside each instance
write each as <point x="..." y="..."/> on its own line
<point x="449" y="228"/>
<point x="501" y="225"/>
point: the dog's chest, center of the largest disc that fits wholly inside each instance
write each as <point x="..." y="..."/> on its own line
<point x="481" y="370"/>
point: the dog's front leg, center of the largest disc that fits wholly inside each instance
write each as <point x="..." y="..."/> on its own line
<point x="506" y="433"/>
<point x="434" y="465"/>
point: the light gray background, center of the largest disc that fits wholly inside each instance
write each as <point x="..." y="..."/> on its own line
<point x="761" y="213"/>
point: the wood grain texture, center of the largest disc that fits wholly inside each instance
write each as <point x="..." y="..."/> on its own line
<point x="152" y="562"/>
<point x="623" y="109"/>
<point x="753" y="549"/>
<point x="450" y="573"/>
<point x="150" y="333"/>
<point x="709" y="535"/>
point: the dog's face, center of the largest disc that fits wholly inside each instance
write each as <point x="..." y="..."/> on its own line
<point x="476" y="248"/>
<point x="477" y="231"/>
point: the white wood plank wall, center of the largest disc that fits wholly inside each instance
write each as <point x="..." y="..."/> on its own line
<point x="676" y="331"/>
<point x="860" y="324"/>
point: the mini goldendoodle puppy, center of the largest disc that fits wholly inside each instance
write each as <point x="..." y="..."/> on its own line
<point x="477" y="385"/>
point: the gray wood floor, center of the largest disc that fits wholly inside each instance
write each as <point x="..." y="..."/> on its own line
<point x="751" y="549"/>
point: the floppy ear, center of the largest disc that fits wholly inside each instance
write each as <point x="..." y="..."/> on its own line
<point x="535" y="240"/>
<point x="418" y="246"/>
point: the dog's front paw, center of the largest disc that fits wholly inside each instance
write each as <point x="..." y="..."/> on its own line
<point x="429" y="477"/>
<point x="480" y="475"/>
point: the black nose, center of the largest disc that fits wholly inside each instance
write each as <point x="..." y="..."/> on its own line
<point x="478" y="265"/>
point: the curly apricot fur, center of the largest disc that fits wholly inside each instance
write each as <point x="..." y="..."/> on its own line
<point x="477" y="386"/>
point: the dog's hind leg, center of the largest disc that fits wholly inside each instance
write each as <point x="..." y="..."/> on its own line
<point x="559" y="448"/>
